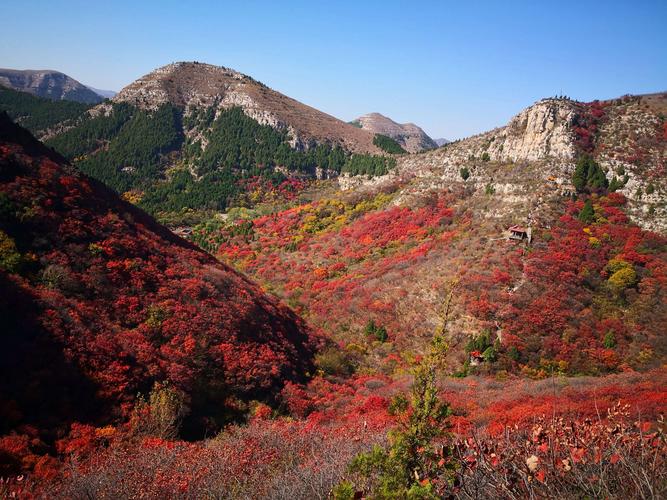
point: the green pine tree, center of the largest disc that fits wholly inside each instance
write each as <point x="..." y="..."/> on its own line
<point x="587" y="214"/>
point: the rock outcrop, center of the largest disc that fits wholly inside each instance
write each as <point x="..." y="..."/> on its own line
<point x="412" y="138"/>
<point x="48" y="84"/>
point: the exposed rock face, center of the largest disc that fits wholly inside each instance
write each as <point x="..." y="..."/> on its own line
<point x="48" y="84"/>
<point x="544" y="130"/>
<point x="192" y="85"/>
<point x="412" y="138"/>
<point x="533" y="157"/>
<point x="541" y="131"/>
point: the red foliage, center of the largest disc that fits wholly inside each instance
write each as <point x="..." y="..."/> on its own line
<point x="333" y="274"/>
<point x="107" y="302"/>
<point x="557" y="308"/>
<point x="587" y="124"/>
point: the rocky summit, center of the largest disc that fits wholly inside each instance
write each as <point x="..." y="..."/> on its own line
<point x="412" y="138"/>
<point x="193" y="86"/>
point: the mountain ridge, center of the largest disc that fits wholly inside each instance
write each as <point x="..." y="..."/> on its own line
<point x="625" y="135"/>
<point x="50" y="84"/>
<point x="192" y="85"/>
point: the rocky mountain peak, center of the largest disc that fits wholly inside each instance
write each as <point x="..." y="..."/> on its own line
<point x="541" y="130"/>
<point x="412" y="138"/>
<point x="49" y="84"/>
<point x="193" y="85"/>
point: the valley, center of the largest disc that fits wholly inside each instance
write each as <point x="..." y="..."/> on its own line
<point x="234" y="295"/>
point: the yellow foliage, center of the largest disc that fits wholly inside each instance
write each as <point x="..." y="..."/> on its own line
<point x="356" y="348"/>
<point x="132" y="196"/>
<point x="623" y="275"/>
<point x="623" y="278"/>
<point x="10" y="258"/>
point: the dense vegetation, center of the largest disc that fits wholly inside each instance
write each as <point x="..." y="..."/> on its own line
<point x="588" y="176"/>
<point x="129" y="150"/>
<point x="38" y="114"/>
<point x="125" y="149"/>
<point x="100" y="303"/>
<point x="359" y="164"/>
<point x="387" y="144"/>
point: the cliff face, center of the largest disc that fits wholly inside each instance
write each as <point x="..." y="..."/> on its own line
<point x="193" y="86"/>
<point x="412" y="138"/>
<point x="48" y="84"/>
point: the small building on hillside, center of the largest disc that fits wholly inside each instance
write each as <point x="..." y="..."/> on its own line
<point x="520" y="233"/>
<point x="476" y="358"/>
<point x="183" y="232"/>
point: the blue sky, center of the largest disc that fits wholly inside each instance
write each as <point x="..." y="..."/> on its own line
<point x="454" y="68"/>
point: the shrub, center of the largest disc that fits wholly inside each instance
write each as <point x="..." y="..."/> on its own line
<point x="379" y="332"/>
<point x="398" y="404"/>
<point x="588" y="176"/>
<point x="465" y="173"/>
<point x="333" y="361"/>
<point x="587" y="214"/>
<point x="485" y="156"/>
<point x="10" y="258"/>
<point x="412" y="460"/>
<point x="161" y="415"/>
<point x="623" y="278"/>
<point x="609" y="340"/>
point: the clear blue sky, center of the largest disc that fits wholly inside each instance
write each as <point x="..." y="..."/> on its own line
<point x="454" y="68"/>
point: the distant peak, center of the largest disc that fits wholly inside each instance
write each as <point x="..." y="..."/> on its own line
<point x="411" y="137"/>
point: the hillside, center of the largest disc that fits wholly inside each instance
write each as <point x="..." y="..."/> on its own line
<point x="412" y="138"/>
<point x="43" y="117"/>
<point x="626" y="136"/>
<point x="540" y="336"/>
<point x="191" y="139"/>
<point x="49" y="84"/>
<point x="100" y="303"/>
<point x="586" y="295"/>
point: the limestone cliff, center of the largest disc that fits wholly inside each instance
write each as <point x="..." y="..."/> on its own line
<point x="533" y="157"/>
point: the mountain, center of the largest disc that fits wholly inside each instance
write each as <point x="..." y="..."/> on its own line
<point x="412" y="138"/>
<point x="192" y="138"/>
<point x="43" y="117"/>
<point x="49" y="84"/>
<point x="626" y="136"/>
<point x="100" y="303"/>
<point x="192" y="86"/>
<point x="441" y="142"/>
